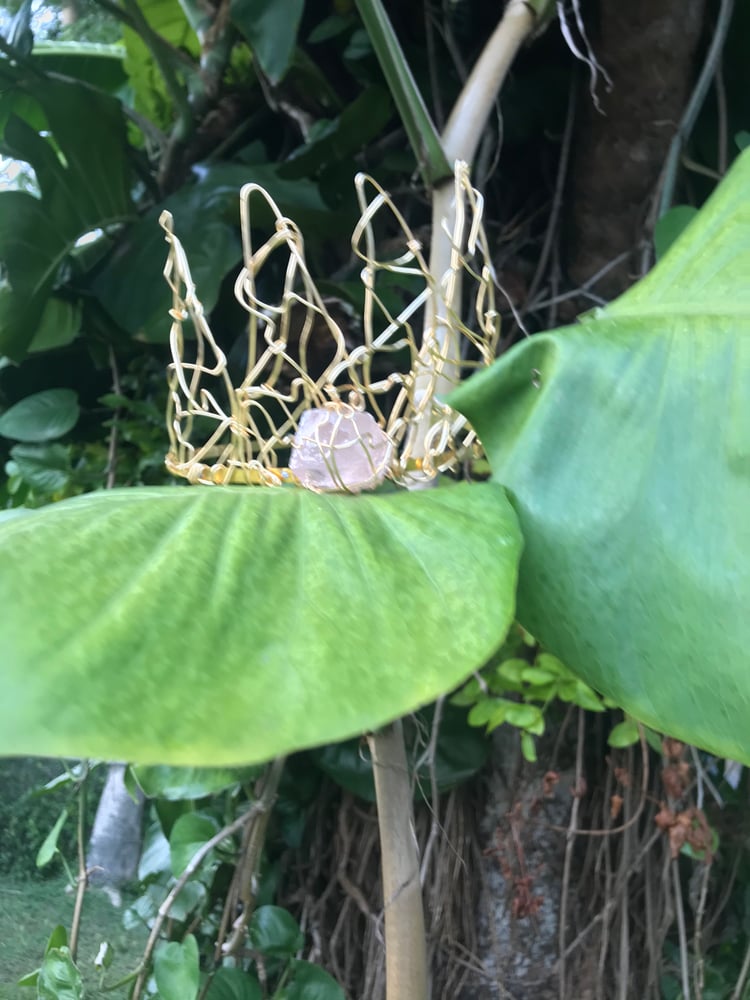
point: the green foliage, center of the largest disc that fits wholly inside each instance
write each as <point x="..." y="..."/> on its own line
<point x="623" y="442"/>
<point x="514" y="690"/>
<point x="88" y="191"/>
<point x="27" y="815"/>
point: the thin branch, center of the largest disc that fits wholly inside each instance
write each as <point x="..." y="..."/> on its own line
<point x="114" y="431"/>
<point x="568" y="860"/>
<point x="694" y="105"/>
<point x="82" y="880"/>
<point x="681" y="930"/>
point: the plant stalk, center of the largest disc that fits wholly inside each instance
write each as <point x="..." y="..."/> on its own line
<point x="460" y="140"/>
<point x="405" y="946"/>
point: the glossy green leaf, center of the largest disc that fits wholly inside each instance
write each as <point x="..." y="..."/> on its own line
<point x="178" y="783"/>
<point x="220" y="626"/>
<point x="44" y="467"/>
<point x="58" y="978"/>
<point x="59" y="325"/>
<point x="95" y="63"/>
<point x="205" y="215"/>
<point x="43" y="416"/>
<point x="176" y="970"/>
<point x="234" y="984"/>
<point x="274" y="932"/>
<point x="189" y="833"/>
<point x="625" y="444"/>
<point x="270" y="27"/>
<point x="84" y="190"/>
<point x="49" y="845"/>
<point x="57" y="939"/>
<point x="310" y="982"/>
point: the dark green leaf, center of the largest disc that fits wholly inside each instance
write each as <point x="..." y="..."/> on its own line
<point x="243" y="623"/>
<point x="42" y="417"/>
<point x="310" y="982"/>
<point x="189" y="833"/>
<point x="670" y="226"/>
<point x="270" y="27"/>
<point x="59" y="325"/>
<point x="625" y="443"/>
<point x="84" y="190"/>
<point x="274" y="932"/>
<point x="234" y="984"/>
<point x="176" y="969"/>
<point x="95" y="63"/>
<point x="49" y="846"/>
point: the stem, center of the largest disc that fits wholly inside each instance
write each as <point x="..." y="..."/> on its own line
<point x="405" y="948"/>
<point x="460" y="141"/>
<point x="82" y="880"/>
<point x="695" y="103"/>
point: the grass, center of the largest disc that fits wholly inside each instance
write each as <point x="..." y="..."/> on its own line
<point x="30" y="910"/>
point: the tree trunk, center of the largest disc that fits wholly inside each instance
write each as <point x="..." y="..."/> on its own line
<point x="115" y="845"/>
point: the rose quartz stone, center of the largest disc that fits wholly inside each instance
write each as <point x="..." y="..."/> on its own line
<point x="338" y="448"/>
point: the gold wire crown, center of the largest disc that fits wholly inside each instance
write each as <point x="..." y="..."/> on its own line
<point x="306" y="405"/>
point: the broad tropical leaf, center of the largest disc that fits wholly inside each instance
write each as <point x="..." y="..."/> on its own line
<point x="209" y="626"/>
<point x="624" y="442"/>
<point x="84" y="190"/>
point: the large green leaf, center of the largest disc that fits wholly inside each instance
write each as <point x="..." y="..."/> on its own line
<point x="224" y="625"/>
<point x="206" y="215"/>
<point x="84" y="189"/>
<point x="625" y="444"/>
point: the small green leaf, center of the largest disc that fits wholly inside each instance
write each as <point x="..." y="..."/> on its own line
<point x="537" y="676"/>
<point x="528" y="747"/>
<point x="59" y="979"/>
<point x="42" y="417"/>
<point x="57" y="939"/>
<point x="189" y="833"/>
<point x="49" y="846"/>
<point x="624" y="734"/>
<point x="586" y="698"/>
<point x="274" y="932"/>
<point x="742" y="139"/>
<point x="525" y="717"/>
<point x="176" y="969"/>
<point x="30" y="979"/>
<point x="511" y="671"/>
<point x="310" y="982"/>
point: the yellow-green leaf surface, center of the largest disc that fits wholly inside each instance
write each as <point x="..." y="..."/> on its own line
<point x="624" y="442"/>
<point x="224" y="625"/>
